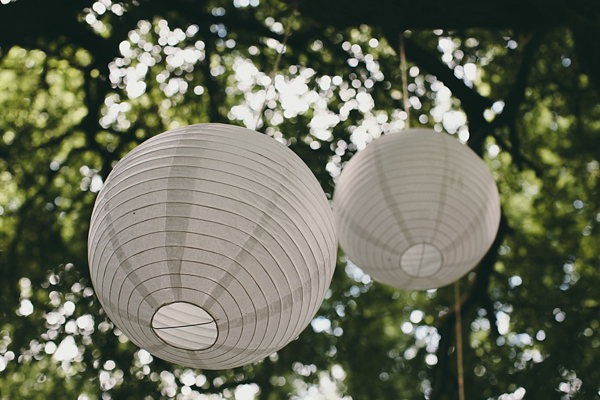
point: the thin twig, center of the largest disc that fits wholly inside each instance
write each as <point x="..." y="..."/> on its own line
<point x="404" y="79"/>
<point x="288" y="31"/>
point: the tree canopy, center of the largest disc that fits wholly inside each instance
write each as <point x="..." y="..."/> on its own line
<point x="83" y="82"/>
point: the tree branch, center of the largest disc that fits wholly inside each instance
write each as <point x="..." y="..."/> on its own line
<point x="434" y="14"/>
<point x="517" y="93"/>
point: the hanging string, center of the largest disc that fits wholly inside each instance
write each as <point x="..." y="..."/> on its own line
<point x="404" y="80"/>
<point x="459" y="351"/>
<point x="288" y="31"/>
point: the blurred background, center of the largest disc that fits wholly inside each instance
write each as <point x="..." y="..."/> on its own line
<point x="83" y="82"/>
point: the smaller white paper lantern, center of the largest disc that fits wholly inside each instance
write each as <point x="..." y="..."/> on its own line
<point x="416" y="209"/>
<point x="211" y="246"/>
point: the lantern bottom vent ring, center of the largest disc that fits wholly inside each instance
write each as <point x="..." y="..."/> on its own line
<point x="421" y="260"/>
<point x="185" y="326"/>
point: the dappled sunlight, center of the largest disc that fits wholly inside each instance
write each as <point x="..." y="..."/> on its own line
<point x="327" y="387"/>
<point x="93" y="15"/>
<point x="245" y="3"/>
<point x="516" y="395"/>
<point x="292" y="93"/>
<point x="105" y="78"/>
<point x="66" y="351"/>
<point x="147" y="55"/>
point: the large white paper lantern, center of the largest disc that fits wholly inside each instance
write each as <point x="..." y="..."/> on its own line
<point x="211" y="246"/>
<point x="416" y="209"/>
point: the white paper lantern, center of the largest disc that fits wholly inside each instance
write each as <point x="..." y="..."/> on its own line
<point x="211" y="246"/>
<point x="416" y="209"/>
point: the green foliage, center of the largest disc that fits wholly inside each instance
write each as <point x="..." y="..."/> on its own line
<point x="80" y="93"/>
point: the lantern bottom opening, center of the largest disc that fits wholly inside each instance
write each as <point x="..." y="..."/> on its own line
<point x="185" y="326"/>
<point x="421" y="260"/>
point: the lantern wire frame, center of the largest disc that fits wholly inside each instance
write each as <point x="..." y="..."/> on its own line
<point x="213" y="231"/>
<point x="411" y="200"/>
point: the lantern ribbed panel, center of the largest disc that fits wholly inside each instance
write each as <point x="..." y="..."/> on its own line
<point x="416" y="209"/>
<point x="211" y="246"/>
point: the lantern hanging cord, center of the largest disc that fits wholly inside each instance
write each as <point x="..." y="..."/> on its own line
<point x="404" y="79"/>
<point x="459" y="350"/>
<point x="288" y="31"/>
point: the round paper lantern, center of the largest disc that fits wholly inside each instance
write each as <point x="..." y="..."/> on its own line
<point x="416" y="209"/>
<point x="211" y="246"/>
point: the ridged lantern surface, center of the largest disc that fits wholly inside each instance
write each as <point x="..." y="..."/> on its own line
<point x="211" y="246"/>
<point x="416" y="209"/>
